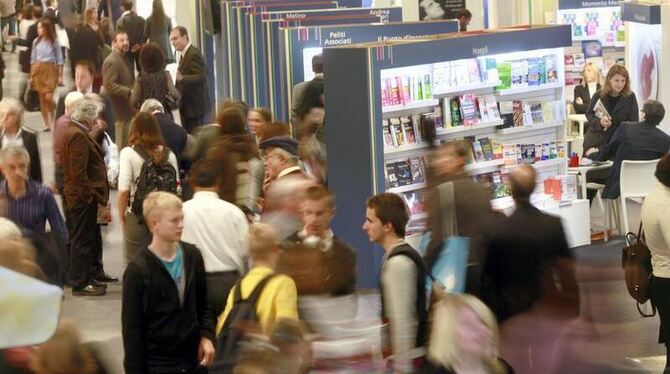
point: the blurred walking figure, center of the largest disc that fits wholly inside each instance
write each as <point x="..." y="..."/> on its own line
<point x="463" y="338"/>
<point x="656" y="228"/>
<point x="46" y="68"/>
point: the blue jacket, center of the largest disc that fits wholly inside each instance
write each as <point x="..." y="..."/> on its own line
<point x="631" y="141"/>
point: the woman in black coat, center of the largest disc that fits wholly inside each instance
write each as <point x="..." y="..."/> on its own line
<point x="621" y="105"/>
<point x="585" y="91"/>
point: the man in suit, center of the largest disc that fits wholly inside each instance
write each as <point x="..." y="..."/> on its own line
<point x="15" y="134"/>
<point x="105" y="7"/>
<point x="299" y="89"/>
<point x="118" y="80"/>
<point x="133" y="25"/>
<point x="191" y="80"/>
<point x="633" y="141"/>
<point x="85" y="189"/>
<point x="528" y="260"/>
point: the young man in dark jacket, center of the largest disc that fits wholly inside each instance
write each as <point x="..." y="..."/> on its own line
<point x="167" y="324"/>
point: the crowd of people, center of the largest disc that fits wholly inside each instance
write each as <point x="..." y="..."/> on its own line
<point x="231" y="262"/>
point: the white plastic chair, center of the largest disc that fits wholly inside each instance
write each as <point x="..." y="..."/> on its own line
<point x="636" y="181"/>
<point x="604" y="207"/>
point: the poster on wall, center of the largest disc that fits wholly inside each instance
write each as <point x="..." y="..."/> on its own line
<point x="439" y="9"/>
<point x="645" y="45"/>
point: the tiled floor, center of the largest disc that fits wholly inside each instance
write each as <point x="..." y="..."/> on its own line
<point x="618" y="339"/>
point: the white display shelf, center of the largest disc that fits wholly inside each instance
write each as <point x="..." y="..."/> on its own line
<point x="529" y="89"/>
<point x="422" y="104"/>
<point x="467" y="88"/>
<point x="409" y="187"/>
<point x="461" y="131"/>
<point x="522" y="129"/>
<point x="404" y="148"/>
<point x="481" y="167"/>
<point x="539" y="164"/>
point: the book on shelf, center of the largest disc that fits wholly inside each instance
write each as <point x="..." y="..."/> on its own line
<point x="391" y="177"/>
<point x="388" y="137"/>
<point x="548" y="112"/>
<point x="394" y="89"/>
<point x="553" y="151"/>
<point x="546" y="152"/>
<point x="509" y="154"/>
<point x="551" y="68"/>
<point x="403" y="173"/>
<point x="536" y="112"/>
<point x="445" y="106"/>
<point x="527" y="154"/>
<point x="543" y="70"/>
<point x="533" y="71"/>
<point x="442" y="76"/>
<point x="456" y="119"/>
<point x="538" y="152"/>
<point x="469" y="111"/>
<point x="459" y="70"/>
<point x="579" y="60"/>
<point x="527" y="114"/>
<point x="396" y="131"/>
<point x="499" y="188"/>
<point x="418" y="168"/>
<point x="404" y="82"/>
<point x="506" y="110"/>
<point x="519" y="74"/>
<point x="477" y="150"/>
<point x="481" y="107"/>
<point x="560" y="149"/>
<point x="474" y="72"/>
<point x="415" y="201"/>
<point x="408" y="130"/>
<point x="386" y="99"/>
<point x="517" y="111"/>
<point x="497" y="150"/>
<point x="427" y="88"/>
<point x="491" y="69"/>
<point x="492" y="111"/>
<point x="487" y="148"/>
<point x="505" y="75"/>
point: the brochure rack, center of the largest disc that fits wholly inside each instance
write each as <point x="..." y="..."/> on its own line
<point x="380" y="95"/>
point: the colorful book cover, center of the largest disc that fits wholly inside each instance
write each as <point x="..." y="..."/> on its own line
<point x="401" y="94"/>
<point x="487" y="148"/>
<point x="403" y="173"/>
<point x="505" y="75"/>
<point x="388" y="138"/>
<point x="396" y="131"/>
<point x="474" y="73"/>
<point x="408" y="130"/>
<point x="506" y="109"/>
<point x="406" y="93"/>
<point x="527" y="114"/>
<point x="517" y="74"/>
<point x="517" y="111"/>
<point x="546" y="150"/>
<point x="498" y="188"/>
<point x="456" y="119"/>
<point x="538" y="152"/>
<point x="483" y="110"/>
<point x="560" y="149"/>
<point x="415" y="201"/>
<point x="553" y="151"/>
<point x="391" y="175"/>
<point x="533" y="71"/>
<point x="492" y="108"/>
<point x="439" y="121"/>
<point x="519" y="155"/>
<point x="479" y="152"/>
<point x="536" y="112"/>
<point x="469" y="112"/>
<point x="550" y="68"/>
<point x="460" y="72"/>
<point x="445" y="105"/>
<point x="497" y="150"/>
<point x="492" y="70"/>
<point x="509" y="154"/>
<point x="419" y="133"/>
<point x="386" y="93"/>
<point x="418" y="170"/>
<point x="395" y="91"/>
<point x="427" y="88"/>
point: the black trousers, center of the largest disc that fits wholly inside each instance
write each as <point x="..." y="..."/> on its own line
<point x="85" y="243"/>
<point x="219" y="285"/>
<point x="191" y="123"/>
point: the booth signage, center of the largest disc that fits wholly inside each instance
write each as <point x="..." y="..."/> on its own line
<point x="581" y="4"/>
<point x="649" y="14"/>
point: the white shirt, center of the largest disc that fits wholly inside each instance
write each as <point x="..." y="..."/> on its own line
<point x="219" y="229"/>
<point x="130" y="165"/>
<point x="287" y="171"/>
<point x="15" y="139"/>
<point x="656" y="226"/>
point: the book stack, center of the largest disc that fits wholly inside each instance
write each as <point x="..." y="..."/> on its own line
<point x="405" y="172"/>
<point x="406" y="89"/>
<point x="484" y="149"/>
<point x="519" y="154"/>
<point x="402" y="131"/>
<point x="469" y="110"/>
<point x="527" y="72"/>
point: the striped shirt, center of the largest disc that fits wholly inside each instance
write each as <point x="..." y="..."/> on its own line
<point x="32" y="210"/>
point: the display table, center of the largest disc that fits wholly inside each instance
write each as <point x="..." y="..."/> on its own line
<point x="576" y="221"/>
<point x="583" y="170"/>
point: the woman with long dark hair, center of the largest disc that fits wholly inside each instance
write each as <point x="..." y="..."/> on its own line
<point x="46" y="68"/>
<point x="157" y="29"/>
<point x="144" y="140"/>
<point x="154" y="82"/>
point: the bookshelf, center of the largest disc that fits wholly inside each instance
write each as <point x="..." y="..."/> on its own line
<point x="380" y="95"/>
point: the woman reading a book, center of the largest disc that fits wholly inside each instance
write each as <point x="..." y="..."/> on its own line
<point x="611" y="106"/>
<point x="585" y="91"/>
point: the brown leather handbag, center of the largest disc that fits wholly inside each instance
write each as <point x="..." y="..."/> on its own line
<point x="636" y="263"/>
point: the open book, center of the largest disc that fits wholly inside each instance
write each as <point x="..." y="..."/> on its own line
<point x="601" y="111"/>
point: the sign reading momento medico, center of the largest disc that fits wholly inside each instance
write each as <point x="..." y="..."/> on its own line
<point x="580" y="4"/>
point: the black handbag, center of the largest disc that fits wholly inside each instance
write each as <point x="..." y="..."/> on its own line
<point x="32" y="100"/>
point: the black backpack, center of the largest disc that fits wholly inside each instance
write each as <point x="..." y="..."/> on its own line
<point x="243" y="312"/>
<point x="153" y="177"/>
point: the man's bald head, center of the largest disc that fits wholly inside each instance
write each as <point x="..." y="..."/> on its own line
<point x="523" y="182"/>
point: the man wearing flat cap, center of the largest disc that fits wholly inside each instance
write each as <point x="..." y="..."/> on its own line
<point x="281" y="157"/>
